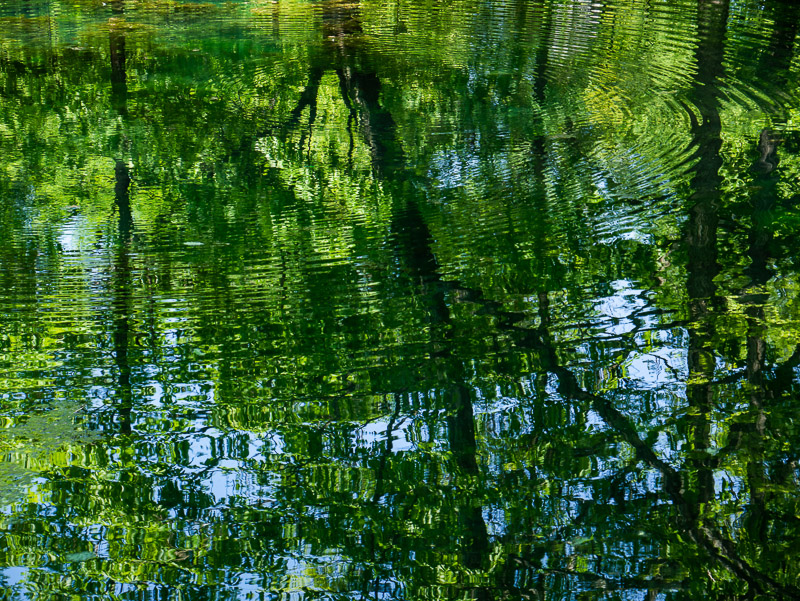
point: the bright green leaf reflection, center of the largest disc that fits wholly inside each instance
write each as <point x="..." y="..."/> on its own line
<point x="399" y="300"/>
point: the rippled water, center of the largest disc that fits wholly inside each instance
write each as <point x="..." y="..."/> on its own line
<point x="399" y="300"/>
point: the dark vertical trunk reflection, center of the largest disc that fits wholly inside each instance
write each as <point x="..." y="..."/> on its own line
<point x="774" y="67"/>
<point x="539" y="147"/>
<point x="542" y="52"/>
<point x="701" y="240"/>
<point x="119" y="77"/>
<point x="122" y="295"/>
<point x="754" y="297"/>
<point x="122" y="271"/>
<point x="461" y="434"/>
<point x="777" y="58"/>
<point x="122" y="184"/>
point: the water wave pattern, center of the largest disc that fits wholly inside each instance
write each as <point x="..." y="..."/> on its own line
<point x="360" y="299"/>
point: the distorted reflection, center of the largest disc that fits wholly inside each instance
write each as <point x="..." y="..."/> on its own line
<point x="399" y="300"/>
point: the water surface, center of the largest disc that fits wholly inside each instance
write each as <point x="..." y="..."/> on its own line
<point x="399" y="300"/>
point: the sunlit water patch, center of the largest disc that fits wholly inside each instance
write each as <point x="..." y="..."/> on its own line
<point x="341" y="300"/>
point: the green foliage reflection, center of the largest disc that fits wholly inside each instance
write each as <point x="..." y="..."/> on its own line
<point x="398" y="300"/>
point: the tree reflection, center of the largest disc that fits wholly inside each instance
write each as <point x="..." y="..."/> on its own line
<point x="483" y="301"/>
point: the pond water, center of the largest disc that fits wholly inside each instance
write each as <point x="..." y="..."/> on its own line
<point x="399" y="300"/>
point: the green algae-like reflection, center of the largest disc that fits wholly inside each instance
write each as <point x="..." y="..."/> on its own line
<point x="399" y="300"/>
